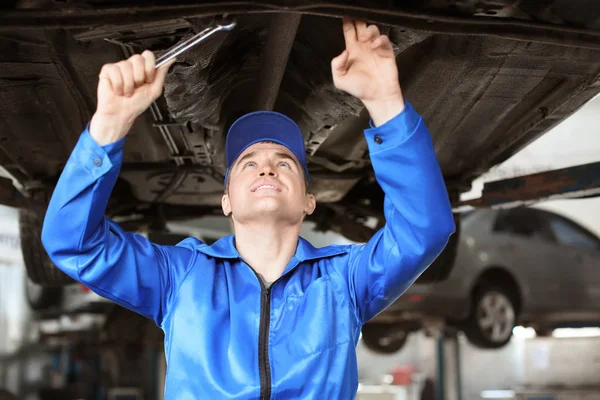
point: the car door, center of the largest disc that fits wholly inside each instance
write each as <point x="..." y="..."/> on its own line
<point x="582" y="249"/>
<point x="527" y="248"/>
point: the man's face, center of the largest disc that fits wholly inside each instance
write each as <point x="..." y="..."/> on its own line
<point x="267" y="180"/>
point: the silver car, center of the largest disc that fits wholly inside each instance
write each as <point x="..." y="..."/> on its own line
<point x="522" y="266"/>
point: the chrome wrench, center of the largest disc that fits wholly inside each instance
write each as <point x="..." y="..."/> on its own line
<point x="191" y="42"/>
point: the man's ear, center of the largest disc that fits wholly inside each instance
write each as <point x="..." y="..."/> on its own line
<point x="225" y="205"/>
<point x="311" y="204"/>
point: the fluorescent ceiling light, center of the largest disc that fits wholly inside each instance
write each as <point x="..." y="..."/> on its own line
<point x="575" y="332"/>
<point x="523" y="333"/>
<point x="497" y="394"/>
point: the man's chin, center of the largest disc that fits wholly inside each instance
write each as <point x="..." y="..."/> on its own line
<point x="269" y="210"/>
<point x="267" y="203"/>
<point x="265" y="211"/>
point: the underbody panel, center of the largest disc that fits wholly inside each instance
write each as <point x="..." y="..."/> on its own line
<point x="488" y="78"/>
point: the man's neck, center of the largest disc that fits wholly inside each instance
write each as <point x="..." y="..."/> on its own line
<point x="267" y="247"/>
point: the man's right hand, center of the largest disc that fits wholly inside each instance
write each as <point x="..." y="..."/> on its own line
<point x="125" y="90"/>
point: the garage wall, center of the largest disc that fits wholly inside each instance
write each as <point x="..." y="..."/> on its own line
<point x="491" y="369"/>
<point x="14" y="312"/>
<point x="539" y="362"/>
<point x="562" y="361"/>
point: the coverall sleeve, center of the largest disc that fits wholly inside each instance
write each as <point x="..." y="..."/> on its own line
<point x="417" y="210"/>
<point x="122" y="266"/>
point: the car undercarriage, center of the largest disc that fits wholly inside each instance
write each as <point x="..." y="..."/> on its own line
<point x="488" y="77"/>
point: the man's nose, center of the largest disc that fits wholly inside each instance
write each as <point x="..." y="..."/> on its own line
<point x="267" y="169"/>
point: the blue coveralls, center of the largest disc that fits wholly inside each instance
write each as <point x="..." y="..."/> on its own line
<point x="226" y="335"/>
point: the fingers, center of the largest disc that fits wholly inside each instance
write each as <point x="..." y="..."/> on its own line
<point x="382" y="43"/>
<point x="370" y="33"/>
<point x="120" y="77"/>
<point x="126" y="69"/>
<point x="112" y="74"/>
<point x="358" y="31"/>
<point x="150" y="63"/>
<point x="361" y="29"/>
<point x="349" y="32"/>
<point x="138" y="65"/>
<point x="128" y="75"/>
<point x="338" y="64"/>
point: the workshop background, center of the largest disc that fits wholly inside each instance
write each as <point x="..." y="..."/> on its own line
<point x="48" y="354"/>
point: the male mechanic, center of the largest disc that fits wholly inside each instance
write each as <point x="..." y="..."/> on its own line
<point x="262" y="313"/>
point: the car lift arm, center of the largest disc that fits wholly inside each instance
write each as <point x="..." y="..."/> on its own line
<point x="574" y="182"/>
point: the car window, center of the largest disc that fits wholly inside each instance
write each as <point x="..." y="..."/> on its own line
<point x="521" y="222"/>
<point x="569" y="234"/>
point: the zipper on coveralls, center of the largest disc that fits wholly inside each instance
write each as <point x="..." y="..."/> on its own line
<point x="264" y="367"/>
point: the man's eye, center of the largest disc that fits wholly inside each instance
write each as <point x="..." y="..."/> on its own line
<point x="284" y="164"/>
<point x="250" y="164"/>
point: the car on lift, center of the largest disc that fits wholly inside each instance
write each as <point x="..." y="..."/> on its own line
<point x="522" y="266"/>
<point x="487" y="76"/>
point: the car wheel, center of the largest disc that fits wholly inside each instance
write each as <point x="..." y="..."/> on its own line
<point x="493" y="317"/>
<point x="384" y="338"/>
<point x="41" y="297"/>
<point x="40" y="268"/>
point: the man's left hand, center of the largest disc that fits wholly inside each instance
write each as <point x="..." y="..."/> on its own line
<point x="367" y="70"/>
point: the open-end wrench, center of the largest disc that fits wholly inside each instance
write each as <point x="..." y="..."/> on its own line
<point x="191" y="42"/>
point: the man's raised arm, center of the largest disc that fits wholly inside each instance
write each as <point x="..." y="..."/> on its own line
<point x="417" y="209"/>
<point x="121" y="266"/>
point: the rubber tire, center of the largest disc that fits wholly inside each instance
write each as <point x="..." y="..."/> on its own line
<point x="40" y="268"/>
<point x="471" y="327"/>
<point x="6" y="395"/>
<point x="49" y="296"/>
<point x="372" y="333"/>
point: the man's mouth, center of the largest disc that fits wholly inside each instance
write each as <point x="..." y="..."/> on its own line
<point x="266" y="187"/>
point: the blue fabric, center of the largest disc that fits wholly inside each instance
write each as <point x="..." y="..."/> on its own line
<point x="264" y="126"/>
<point x="207" y="299"/>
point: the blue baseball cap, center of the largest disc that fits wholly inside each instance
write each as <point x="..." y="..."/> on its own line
<point x="264" y="126"/>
